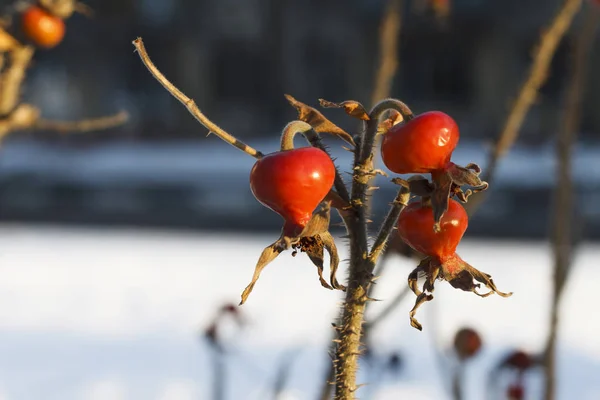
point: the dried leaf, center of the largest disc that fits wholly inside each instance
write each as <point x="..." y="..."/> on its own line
<point x="318" y="121"/>
<point x="351" y="107"/>
<point x="268" y="255"/>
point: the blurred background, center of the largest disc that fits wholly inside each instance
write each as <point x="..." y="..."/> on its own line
<point x="120" y="248"/>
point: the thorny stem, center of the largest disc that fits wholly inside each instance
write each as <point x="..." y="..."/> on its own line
<point x="388" y="50"/>
<point x="190" y="104"/>
<point x="563" y="230"/>
<point x="537" y="77"/>
<point x="361" y="265"/>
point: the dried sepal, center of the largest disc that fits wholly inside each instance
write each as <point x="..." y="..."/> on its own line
<point x="449" y="182"/>
<point x="313" y="240"/>
<point x="439" y="199"/>
<point x="468" y="176"/>
<point x="334" y="259"/>
<point x="351" y="107"/>
<point x="455" y="271"/>
<point x="318" y="121"/>
<point x="269" y="254"/>
<point x="314" y="251"/>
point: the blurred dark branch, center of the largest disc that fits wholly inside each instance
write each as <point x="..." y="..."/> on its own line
<point x="284" y="369"/>
<point x="85" y="125"/>
<point x="389" y="31"/>
<point x="391" y="305"/>
<point x="564" y="204"/>
<point x="219" y="371"/>
<point x="538" y="73"/>
<point x="190" y="104"/>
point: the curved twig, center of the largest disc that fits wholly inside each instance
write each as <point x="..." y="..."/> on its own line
<point x="190" y="104"/>
<point x="85" y="125"/>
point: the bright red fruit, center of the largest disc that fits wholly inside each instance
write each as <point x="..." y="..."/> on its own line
<point x="415" y="226"/>
<point x="421" y="145"/>
<point x="293" y="183"/>
<point x="42" y="28"/>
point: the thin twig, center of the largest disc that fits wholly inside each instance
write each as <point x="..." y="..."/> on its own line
<point x="85" y="125"/>
<point x="190" y="104"/>
<point x="538" y="75"/>
<point x="391" y="305"/>
<point x="563" y="207"/>
<point x="389" y="223"/>
<point x="389" y="31"/>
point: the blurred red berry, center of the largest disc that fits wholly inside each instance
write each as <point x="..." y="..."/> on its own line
<point x="519" y="360"/>
<point x="467" y="343"/>
<point x="42" y="28"/>
<point x="515" y="392"/>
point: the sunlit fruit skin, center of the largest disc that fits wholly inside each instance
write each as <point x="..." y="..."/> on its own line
<point x="293" y="183"/>
<point x="42" y="28"/>
<point x="415" y="226"/>
<point x="421" y="145"/>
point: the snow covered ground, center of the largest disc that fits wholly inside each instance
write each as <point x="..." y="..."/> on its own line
<point x="116" y="314"/>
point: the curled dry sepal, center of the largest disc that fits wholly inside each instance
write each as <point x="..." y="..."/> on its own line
<point x="313" y="240"/>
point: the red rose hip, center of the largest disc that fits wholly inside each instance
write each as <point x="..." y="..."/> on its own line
<point x="293" y="183"/>
<point x="415" y="226"/>
<point x="421" y="145"/>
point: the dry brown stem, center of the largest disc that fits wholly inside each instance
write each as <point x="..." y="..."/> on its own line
<point x="85" y="125"/>
<point x="11" y="78"/>
<point x="389" y="31"/>
<point x="27" y="117"/>
<point x="538" y="74"/>
<point x="190" y="104"/>
<point x="563" y="206"/>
